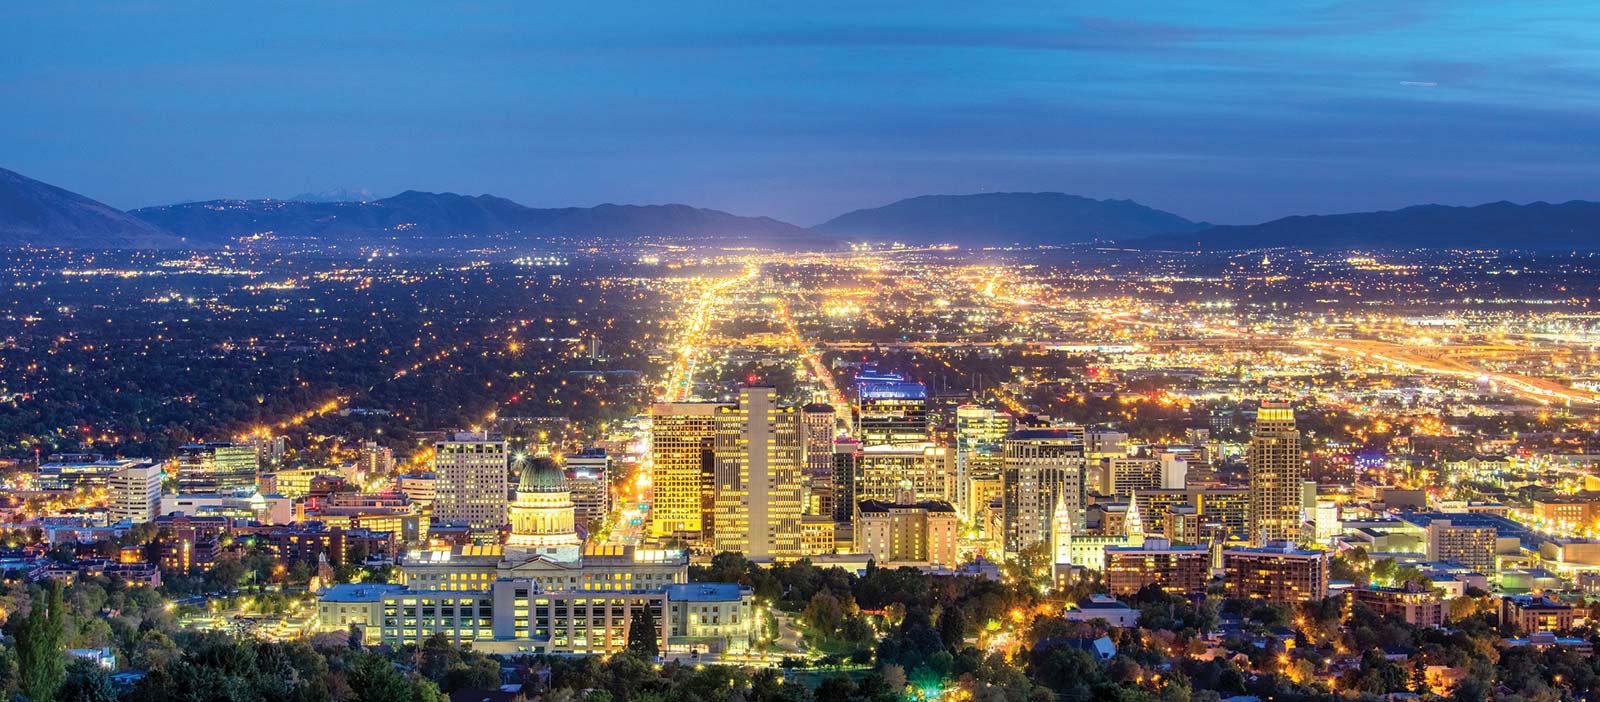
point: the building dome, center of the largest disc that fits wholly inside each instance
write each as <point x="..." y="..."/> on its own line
<point x="542" y="516"/>
<point x="541" y="474"/>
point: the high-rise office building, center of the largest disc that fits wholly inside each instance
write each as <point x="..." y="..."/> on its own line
<point x="884" y="470"/>
<point x="135" y="492"/>
<point x="890" y="410"/>
<point x="1224" y="512"/>
<point x="820" y="424"/>
<point x="1126" y="475"/>
<point x="269" y="449"/>
<point x="846" y="461"/>
<point x="473" y="480"/>
<point x="1468" y="543"/>
<point x="980" y="433"/>
<point x="1042" y="466"/>
<point x="216" y="467"/>
<point x="757" y="479"/>
<point x="1276" y="474"/>
<point x="375" y="460"/>
<point x="682" y="438"/>
<point x="589" y="475"/>
<point x="1105" y="443"/>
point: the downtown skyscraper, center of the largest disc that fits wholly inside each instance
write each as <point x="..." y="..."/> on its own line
<point x="474" y="482"/>
<point x="980" y="455"/>
<point x="890" y="410"/>
<point x="757" y="477"/>
<point x="1042" y="467"/>
<point x="1276" y="474"/>
<point x="682" y="437"/>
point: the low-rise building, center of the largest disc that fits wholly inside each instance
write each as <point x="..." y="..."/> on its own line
<point x="1415" y="605"/>
<point x="1277" y="572"/>
<point x="1103" y="607"/>
<point x="1182" y="570"/>
<point x="1535" y="613"/>
<point x="1545" y="639"/>
<point x="419" y="487"/>
<point x="517" y="616"/>
<point x="709" y="617"/>
<point x="907" y="532"/>
<point x="354" y="606"/>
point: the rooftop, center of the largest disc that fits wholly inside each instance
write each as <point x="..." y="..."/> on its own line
<point x="880" y="506"/>
<point x="359" y="592"/>
<point x="705" y="592"/>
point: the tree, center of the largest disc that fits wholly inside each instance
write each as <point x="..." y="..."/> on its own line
<point x="155" y="649"/>
<point x="1470" y="689"/>
<point x="642" y="637"/>
<point x="300" y="572"/>
<point x="438" y="655"/>
<point x="226" y="574"/>
<point x="87" y="682"/>
<point x="374" y="679"/>
<point x="1464" y="607"/>
<point x="41" y="656"/>
<point x="1419" y="676"/>
<point x="953" y="628"/>
<point x="480" y="673"/>
<point x="1031" y="566"/>
<point x="824" y="615"/>
<point x="356" y="554"/>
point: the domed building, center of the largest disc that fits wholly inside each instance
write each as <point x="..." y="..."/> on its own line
<point x="542" y="521"/>
<point x="544" y="591"/>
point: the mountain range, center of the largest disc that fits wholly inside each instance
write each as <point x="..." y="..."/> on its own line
<point x="337" y="195"/>
<point x="1538" y="226"/>
<point x="38" y="214"/>
<point x="1008" y="218"/>
<point x="418" y="218"/>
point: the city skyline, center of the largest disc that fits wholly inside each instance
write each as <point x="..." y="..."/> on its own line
<point x="1004" y="446"/>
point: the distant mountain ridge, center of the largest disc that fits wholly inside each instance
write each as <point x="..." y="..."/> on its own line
<point x="337" y="195"/>
<point x="1007" y="218"/>
<point x="33" y="213"/>
<point x="415" y="215"/>
<point x="1538" y="226"/>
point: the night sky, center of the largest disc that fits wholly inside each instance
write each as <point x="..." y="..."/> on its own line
<point x="1222" y="111"/>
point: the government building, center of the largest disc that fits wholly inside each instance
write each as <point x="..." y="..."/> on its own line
<point x="543" y="591"/>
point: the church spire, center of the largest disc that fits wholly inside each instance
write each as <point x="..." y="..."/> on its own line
<point x="1061" y="525"/>
<point x="1134" y="523"/>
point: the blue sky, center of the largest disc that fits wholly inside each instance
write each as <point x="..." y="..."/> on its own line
<point x="1224" y="111"/>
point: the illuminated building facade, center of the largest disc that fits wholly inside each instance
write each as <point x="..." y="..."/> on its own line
<point x="1276" y="474"/>
<point x="758" y="477"/>
<point x="1277" y="573"/>
<point x="1041" y="466"/>
<point x="473" y="480"/>
<point x="890" y="410"/>
<point x="216" y="468"/>
<point x="682" y="453"/>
